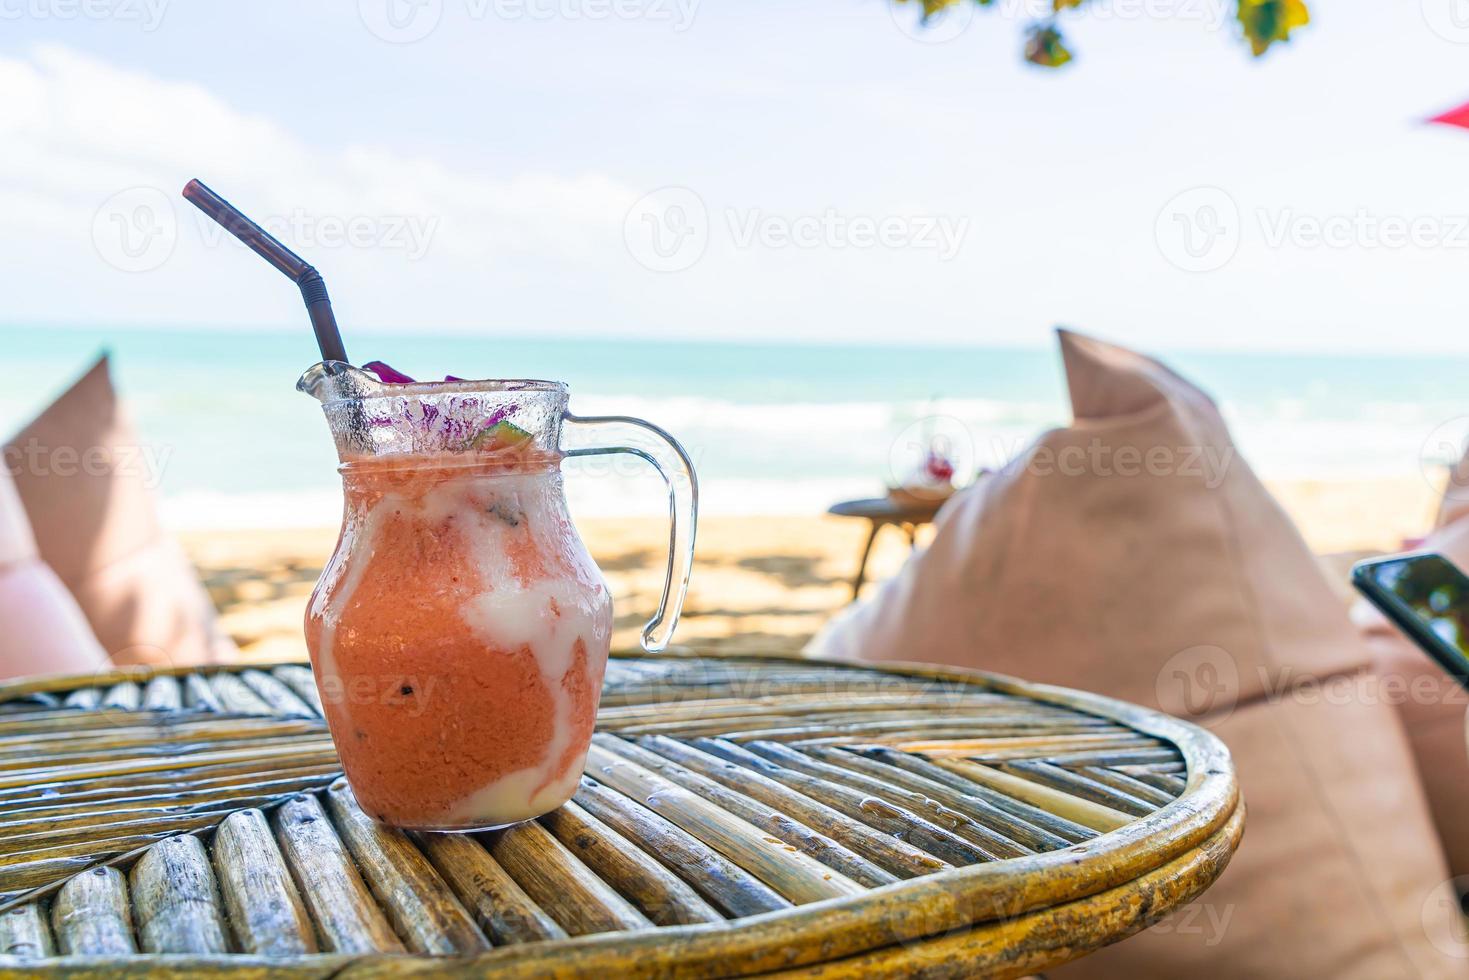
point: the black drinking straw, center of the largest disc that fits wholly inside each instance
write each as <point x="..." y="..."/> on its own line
<point x="262" y="243"/>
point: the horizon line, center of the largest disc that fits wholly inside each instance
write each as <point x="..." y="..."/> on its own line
<point x="918" y="343"/>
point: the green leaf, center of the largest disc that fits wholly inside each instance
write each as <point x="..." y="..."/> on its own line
<point x="1263" y="22"/>
<point x="1044" y="47"/>
<point x="932" y="8"/>
<point x="1268" y="21"/>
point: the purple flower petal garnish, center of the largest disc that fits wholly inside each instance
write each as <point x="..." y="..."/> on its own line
<point x="387" y="374"/>
<point x="450" y="377"/>
<point x="500" y="414"/>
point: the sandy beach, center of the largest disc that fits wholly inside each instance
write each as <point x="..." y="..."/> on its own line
<point x="760" y="583"/>
<point x="764" y="583"/>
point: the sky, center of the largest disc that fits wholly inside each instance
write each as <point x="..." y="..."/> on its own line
<point x="822" y="172"/>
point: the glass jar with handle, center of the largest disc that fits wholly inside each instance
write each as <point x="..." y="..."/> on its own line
<point x="460" y="631"/>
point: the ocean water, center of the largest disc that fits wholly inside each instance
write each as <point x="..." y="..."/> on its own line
<point x="772" y="428"/>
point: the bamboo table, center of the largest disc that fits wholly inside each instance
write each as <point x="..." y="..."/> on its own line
<point x="739" y="816"/>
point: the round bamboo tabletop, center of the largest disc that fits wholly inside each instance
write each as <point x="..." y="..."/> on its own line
<point x="739" y="816"/>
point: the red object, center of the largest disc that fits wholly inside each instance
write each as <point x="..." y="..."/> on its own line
<point x="388" y="374"/>
<point x="1454" y="117"/>
<point x="938" y="467"/>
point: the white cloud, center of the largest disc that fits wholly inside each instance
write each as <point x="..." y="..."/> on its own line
<point x="76" y="131"/>
<point x="1061" y="179"/>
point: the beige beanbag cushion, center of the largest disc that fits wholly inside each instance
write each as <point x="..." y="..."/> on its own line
<point x="85" y="484"/>
<point x="1135" y="554"/>
<point x="1133" y="537"/>
<point x="45" y="632"/>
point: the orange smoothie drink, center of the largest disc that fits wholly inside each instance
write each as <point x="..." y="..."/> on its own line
<point x="459" y="633"/>
<point x="459" y="636"/>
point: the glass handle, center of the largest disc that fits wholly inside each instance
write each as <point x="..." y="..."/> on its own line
<point x="623" y="434"/>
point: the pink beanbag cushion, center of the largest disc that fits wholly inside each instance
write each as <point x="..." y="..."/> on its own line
<point x="45" y="632"/>
<point x="84" y="479"/>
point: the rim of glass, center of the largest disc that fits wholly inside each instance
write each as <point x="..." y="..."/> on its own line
<point x="319" y="376"/>
<point x="469" y="386"/>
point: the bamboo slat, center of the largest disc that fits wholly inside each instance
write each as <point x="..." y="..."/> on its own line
<point x="792" y="874"/>
<point x="147" y="728"/>
<point x="1120" y="758"/>
<point x="301" y="682"/>
<point x="282" y="699"/>
<point x="739" y="816"/>
<point x="235" y="696"/>
<point x="421" y="907"/>
<point x="1020" y="809"/>
<point x="36" y="720"/>
<point x="127" y="696"/>
<point x="500" y="906"/>
<point x="92" y="917"/>
<point x="569" y="891"/>
<point x="1171" y="785"/>
<point x="1152" y="797"/>
<point x="347" y="918"/>
<point x="1088" y="814"/>
<point x="25" y="934"/>
<point x="1031" y="837"/>
<point x="791" y="832"/>
<point x="658" y="894"/>
<point x="875" y="812"/>
<point x="893" y="854"/>
<point x="992" y="843"/>
<point x="163" y="693"/>
<point x="1079" y="785"/>
<point x="165" y="788"/>
<point x="1166" y="768"/>
<point x="260" y="897"/>
<point x="318" y="748"/>
<point x="198" y="694"/>
<point x="731" y="889"/>
<point x="84" y="698"/>
<point x="176" y="905"/>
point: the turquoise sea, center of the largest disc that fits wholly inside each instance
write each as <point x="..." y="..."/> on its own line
<point x="772" y="428"/>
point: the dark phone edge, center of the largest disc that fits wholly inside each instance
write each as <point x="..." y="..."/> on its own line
<point x="1404" y="619"/>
